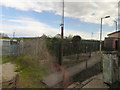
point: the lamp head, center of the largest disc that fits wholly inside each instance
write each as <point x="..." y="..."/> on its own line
<point x="107" y="16"/>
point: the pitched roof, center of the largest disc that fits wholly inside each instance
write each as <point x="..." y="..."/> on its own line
<point x="114" y="32"/>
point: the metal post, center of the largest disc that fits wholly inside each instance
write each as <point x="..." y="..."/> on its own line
<point x="62" y="36"/>
<point x="101" y="35"/>
<point x="115" y="25"/>
<point x="61" y="46"/>
<point x="86" y="59"/>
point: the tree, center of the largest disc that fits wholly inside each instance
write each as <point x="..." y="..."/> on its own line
<point x="44" y="36"/>
<point x="76" y="38"/>
<point x="76" y="45"/>
<point x="70" y="37"/>
<point x="58" y="36"/>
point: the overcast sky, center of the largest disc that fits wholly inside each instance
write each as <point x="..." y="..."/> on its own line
<point x="38" y="17"/>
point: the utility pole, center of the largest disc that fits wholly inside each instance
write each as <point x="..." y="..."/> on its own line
<point x="62" y="35"/>
<point x="92" y="35"/>
<point x="115" y="25"/>
<point x="62" y="23"/>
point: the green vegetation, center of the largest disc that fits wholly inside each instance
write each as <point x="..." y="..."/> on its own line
<point x="71" y="46"/>
<point x="0" y="59"/>
<point x="6" y="59"/>
<point x="30" y="71"/>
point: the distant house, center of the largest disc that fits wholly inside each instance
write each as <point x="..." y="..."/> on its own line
<point x="112" y="42"/>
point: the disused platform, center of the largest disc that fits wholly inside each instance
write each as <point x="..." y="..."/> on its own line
<point x="55" y="78"/>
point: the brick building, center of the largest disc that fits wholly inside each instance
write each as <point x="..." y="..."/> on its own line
<point x="112" y="42"/>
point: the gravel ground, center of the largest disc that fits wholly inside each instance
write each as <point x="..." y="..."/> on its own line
<point x="7" y="71"/>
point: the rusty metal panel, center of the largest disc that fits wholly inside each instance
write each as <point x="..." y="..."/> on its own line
<point x="110" y="68"/>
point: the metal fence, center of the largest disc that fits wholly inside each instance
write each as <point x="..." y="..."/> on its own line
<point x="10" y="47"/>
<point x="35" y="47"/>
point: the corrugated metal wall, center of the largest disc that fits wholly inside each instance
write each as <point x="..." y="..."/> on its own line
<point x="10" y="48"/>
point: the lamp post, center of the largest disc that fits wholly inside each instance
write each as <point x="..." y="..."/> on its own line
<point x="101" y="32"/>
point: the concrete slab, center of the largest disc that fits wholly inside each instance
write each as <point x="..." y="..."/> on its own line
<point x="55" y="78"/>
<point x="97" y="82"/>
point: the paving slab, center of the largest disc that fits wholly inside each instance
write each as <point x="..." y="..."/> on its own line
<point x="96" y="82"/>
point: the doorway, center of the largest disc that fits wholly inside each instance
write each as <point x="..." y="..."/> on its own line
<point x="116" y="45"/>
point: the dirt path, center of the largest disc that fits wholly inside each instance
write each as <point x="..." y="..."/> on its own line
<point x="7" y="72"/>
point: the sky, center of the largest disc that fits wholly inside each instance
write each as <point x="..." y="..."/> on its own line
<point x="33" y="18"/>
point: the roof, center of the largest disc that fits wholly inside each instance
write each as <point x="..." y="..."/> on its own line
<point x="4" y="39"/>
<point x="114" y="32"/>
<point x="111" y="38"/>
<point x="7" y="40"/>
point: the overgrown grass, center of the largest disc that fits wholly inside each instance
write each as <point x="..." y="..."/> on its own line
<point x="6" y="59"/>
<point x="30" y="71"/>
<point x="31" y="77"/>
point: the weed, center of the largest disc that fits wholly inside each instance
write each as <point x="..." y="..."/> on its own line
<point x="30" y="71"/>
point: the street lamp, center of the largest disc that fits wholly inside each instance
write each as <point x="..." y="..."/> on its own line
<point x="101" y="31"/>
